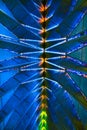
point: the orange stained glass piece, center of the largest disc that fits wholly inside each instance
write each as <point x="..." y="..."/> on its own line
<point x="43" y="40"/>
<point x="43" y="19"/>
<point x="43" y="97"/>
<point x="43" y="30"/>
<point x="43" y="8"/>
<point x="43" y="106"/>
<point x="43" y="60"/>
<point x="44" y="87"/>
<point x="43" y="70"/>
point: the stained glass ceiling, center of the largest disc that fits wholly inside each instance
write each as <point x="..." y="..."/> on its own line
<point x="43" y="64"/>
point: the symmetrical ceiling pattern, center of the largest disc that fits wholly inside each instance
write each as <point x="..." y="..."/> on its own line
<point x="43" y="62"/>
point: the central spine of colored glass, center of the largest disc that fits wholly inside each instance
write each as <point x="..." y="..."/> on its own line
<point x="43" y="106"/>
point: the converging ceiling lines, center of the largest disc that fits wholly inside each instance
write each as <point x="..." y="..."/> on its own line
<point x="40" y="42"/>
